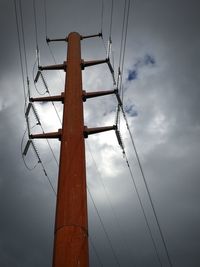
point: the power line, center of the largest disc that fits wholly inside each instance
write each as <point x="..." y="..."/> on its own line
<point x="111" y="20"/>
<point x="37" y="57"/>
<point x="45" y="17"/>
<point x="22" y="141"/>
<point x="53" y="154"/>
<point x="143" y="211"/>
<point x="122" y="55"/>
<point x="39" y="160"/>
<point x="118" y="135"/>
<point x="107" y="195"/>
<point x="35" y="84"/>
<point x="20" y="51"/>
<point x="147" y="188"/>
<point x="104" y="229"/>
<point x="120" y="72"/>
<point x="36" y="33"/>
<point x="121" y="44"/>
<point x="43" y="167"/>
<point x="95" y="251"/>
<point x="56" y="110"/>
<point x="35" y="23"/>
<point x="102" y="15"/>
<point x="23" y="38"/>
<point x="50" y="147"/>
<point x="46" y="91"/>
<point x="124" y="48"/>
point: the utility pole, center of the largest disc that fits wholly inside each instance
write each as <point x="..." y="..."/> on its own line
<point x="71" y="223"/>
<point x="71" y="227"/>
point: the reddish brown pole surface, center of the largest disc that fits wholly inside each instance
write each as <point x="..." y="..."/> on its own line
<point x="71" y="227"/>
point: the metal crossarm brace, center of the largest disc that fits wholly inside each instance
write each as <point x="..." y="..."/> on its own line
<point x="89" y="131"/>
<point x="87" y="95"/>
<point x="48" y="98"/>
<point x="54" y="67"/>
<point x="56" y="40"/>
<point x="91" y="36"/>
<point x="92" y="63"/>
<point x="48" y="40"/>
<point x="51" y="135"/>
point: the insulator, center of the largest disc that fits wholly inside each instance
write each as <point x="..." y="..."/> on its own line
<point x="119" y="139"/>
<point x="28" y="126"/>
<point x="26" y="147"/>
<point x="119" y="99"/>
<point x="38" y="55"/>
<point x="28" y="86"/>
<point x="37" y="76"/>
<point x="36" y="115"/>
<point x="117" y="115"/>
<point x="111" y="70"/>
<point x="44" y="82"/>
<point x="28" y="109"/>
<point x="36" y="152"/>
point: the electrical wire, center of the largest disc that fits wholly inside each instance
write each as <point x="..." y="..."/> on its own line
<point x="39" y="159"/>
<point x="111" y="21"/>
<point x="121" y="44"/>
<point x="35" y="84"/>
<point x="25" y="55"/>
<point x="95" y="251"/>
<point x="103" y="227"/>
<point x="108" y="198"/>
<point x="143" y="210"/>
<point x="23" y="37"/>
<point x="102" y="15"/>
<point x="20" y="51"/>
<point x="48" y="178"/>
<point x="119" y="81"/>
<point x="23" y="158"/>
<point x="147" y="188"/>
<point x="55" y="109"/>
<point x="45" y="17"/>
<point x="46" y="91"/>
<point x="54" y="60"/>
<point x="36" y="30"/>
<point x="122" y="55"/>
<point x="46" y="33"/>
<point x="50" y="147"/>
<point x="124" y="49"/>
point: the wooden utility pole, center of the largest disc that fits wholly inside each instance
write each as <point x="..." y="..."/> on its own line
<point x="71" y="223"/>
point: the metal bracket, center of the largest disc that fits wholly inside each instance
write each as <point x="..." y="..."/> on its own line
<point x="93" y="62"/>
<point x="89" y="131"/>
<point x="54" y="67"/>
<point x="86" y="95"/>
<point x="56" y="40"/>
<point x="51" y="135"/>
<point x="91" y="36"/>
<point x="48" y="98"/>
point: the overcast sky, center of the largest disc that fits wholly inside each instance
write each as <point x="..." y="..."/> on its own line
<point x="161" y="98"/>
